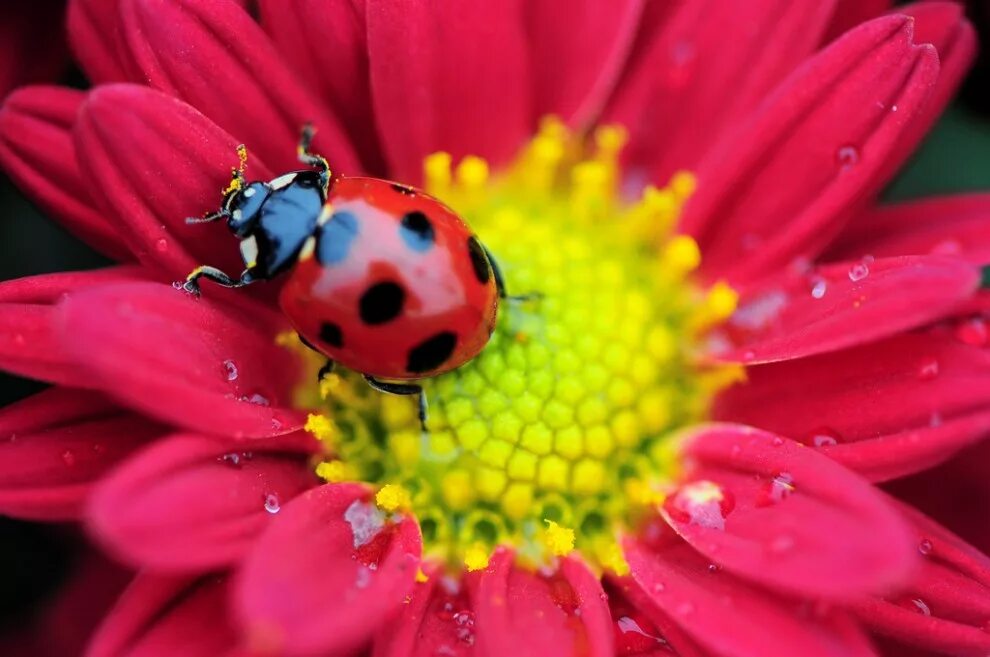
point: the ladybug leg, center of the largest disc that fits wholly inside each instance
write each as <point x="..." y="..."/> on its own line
<point x="213" y="274"/>
<point x="328" y="366"/>
<point x="312" y="159"/>
<point x="500" y="282"/>
<point x="402" y="389"/>
<point x="214" y="216"/>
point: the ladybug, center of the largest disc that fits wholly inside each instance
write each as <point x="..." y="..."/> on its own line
<point x="380" y="277"/>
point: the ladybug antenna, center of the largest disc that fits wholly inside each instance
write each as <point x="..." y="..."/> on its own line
<point x="312" y="159"/>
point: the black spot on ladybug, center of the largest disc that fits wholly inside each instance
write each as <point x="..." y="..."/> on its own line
<point x="431" y="353"/>
<point x="416" y="231"/>
<point x="381" y="302"/>
<point x="330" y="334"/>
<point x="403" y="189"/>
<point x="482" y="268"/>
<point x="334" y="238"/>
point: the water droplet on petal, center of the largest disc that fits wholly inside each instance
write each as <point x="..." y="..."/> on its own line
<point x="232" y="459"/>
<point x="363" y="578"/>
<point x="178" y="285"/>
<point x="703" y="503"/>
<point x="919" y="605"/>
<point x="823" y="437"/>
<point x="714" y="568"/>
<point x="928" y="369"/>
<point x="272" y="504"/>
<point x="230" y="370"/>
<point x="366" y="521"/>
<point x="818" y="287"/>
<point x="659" y="587"/>
<point x="69" y="457"/>
<point x="777" y="489"/>
<point x="256" y="398"/>
<point x="858" y="272"/>
<point x="635" y="636"/>
<point x="777" y="441"/>
<point x="847" y="157"/>
<point x="161" y="245"/>
<point x="925" y="547"/>
<point x="973" y="332"/>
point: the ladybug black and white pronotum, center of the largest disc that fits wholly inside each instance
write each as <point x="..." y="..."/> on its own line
<point x="381" y="277"/>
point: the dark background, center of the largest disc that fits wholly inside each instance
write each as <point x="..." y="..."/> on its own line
<point x="35" y="558"/>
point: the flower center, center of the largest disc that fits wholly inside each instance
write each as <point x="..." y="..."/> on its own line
<point x="559" y="433"/>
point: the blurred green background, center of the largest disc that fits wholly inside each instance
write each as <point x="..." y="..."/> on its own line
<point x="955" y="158"/>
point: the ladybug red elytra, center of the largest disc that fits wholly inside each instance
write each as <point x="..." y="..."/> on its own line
<point x="381" y="277"/>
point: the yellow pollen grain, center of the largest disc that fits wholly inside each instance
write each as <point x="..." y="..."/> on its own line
<point x="392" y="498"/>
<point x="476" y="557"/>
<point x="321" y="427"/>
<point x="559" y="540"/>
<point x="421" y="577"/>
<point x="562" y="432"/>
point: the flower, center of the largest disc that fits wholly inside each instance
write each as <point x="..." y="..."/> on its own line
<point x="600" y="480"/>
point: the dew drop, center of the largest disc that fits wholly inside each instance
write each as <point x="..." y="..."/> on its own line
<point x="973" y="332"/>
<point x="232" y="459"/>
<point x="256" y="398"/>
<point x="363" y="578"/>
<point x="366" y="521"/>
<point x="464" y="622"/>
<point x="824" y="437"/>
<point x="921" y="606"/>
<point x="659" y="587"/>
<point x="703" y="503"/>
<point x="925" y="547"/>
<point x="178" y="285"/>
<point x="782" y="543"/>
<point x="928" y="369"/>
<point x="858" y="272"/>
<point x="69" y="457"/>
<point x="777" y="441"/>
<point x="230" y="370"/>
<point x="847" y="157"/>
<point x="272" y="504"/>
<point x="632" y="638"/>
<point x="714" y="568"/>
<point x="777" y="489"/>
<point x="818" y="287"/>
<point x="161" y="245"/>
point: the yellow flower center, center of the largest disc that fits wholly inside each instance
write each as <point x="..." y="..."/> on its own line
<point x="559" y="434"/>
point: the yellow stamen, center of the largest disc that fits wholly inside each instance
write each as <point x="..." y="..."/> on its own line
<point x="392" y="498"/>
<point x="559" y="540"/>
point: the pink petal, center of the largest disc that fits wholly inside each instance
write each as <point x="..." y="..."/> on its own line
<point x="192" y="503"/>
<point x="165" y="617"/>
<point x="946" y="606"/>
<point x="729" y="618"/>
<point x="29" y="343"/>
<point x="96" y="37"/>
<point x="438" y="618"/>
<point x="189" y="361"/>
<point x="326" y="574"/>
<point x="847" y="304"/>
<point x="674" y="100"/>
<point x="37" y="152"/>
<point x="783" y="187"/>
<point x="435" y="88"/>
<point x="215" y="57"/>
<point x="788" y="517"/>
<point x="850" y="13"/>
<point x="949" y="225"/>
<point x="56" y="445"/>
<point x="577" y="53"/>
<point x="528" y="614"/>
<point x="944" y="25"/>
<point x="338" y="69"/>
<point x="884" y="410"/>
<point x="155" y="161"/>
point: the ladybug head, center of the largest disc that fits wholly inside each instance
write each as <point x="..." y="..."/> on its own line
<point x="243" y="205"/>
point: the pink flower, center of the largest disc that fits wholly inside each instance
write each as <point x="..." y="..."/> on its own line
<point x="748" y="526"/>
